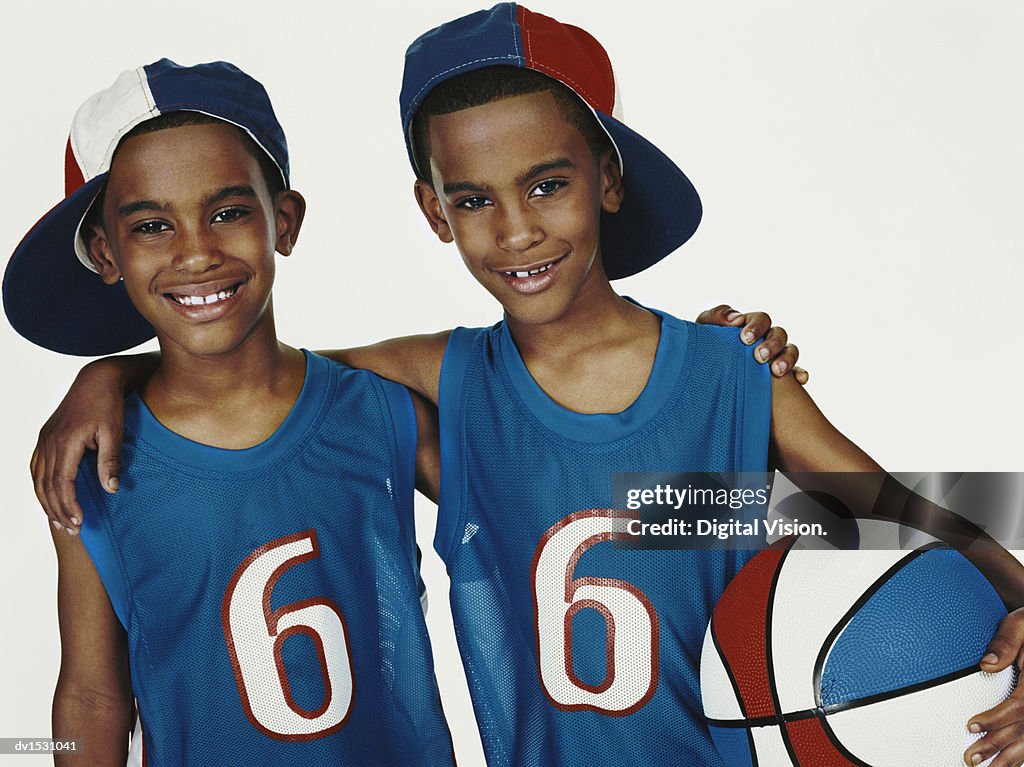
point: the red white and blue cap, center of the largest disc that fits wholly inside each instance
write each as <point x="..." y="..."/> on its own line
<point x="661" y="209"/>
<point x="51" y="293"/>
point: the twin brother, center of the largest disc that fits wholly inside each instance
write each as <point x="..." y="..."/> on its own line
<point x="253" y="585"/>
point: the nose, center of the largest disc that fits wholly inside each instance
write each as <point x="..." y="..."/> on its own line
<point x="519" y="227"/>
<point x="196" y="250"/>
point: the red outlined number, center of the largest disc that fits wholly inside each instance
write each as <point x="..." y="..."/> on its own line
<point x="255" y="636"/>
<point x="631" y="624"/>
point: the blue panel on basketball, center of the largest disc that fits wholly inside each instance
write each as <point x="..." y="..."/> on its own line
<point x="932" y="618"/>
<point x="734" y="745"/>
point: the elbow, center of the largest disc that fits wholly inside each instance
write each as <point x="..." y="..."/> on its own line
<point x="80" y="709"/>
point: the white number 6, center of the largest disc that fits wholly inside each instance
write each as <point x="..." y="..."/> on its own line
<point x="255" y="635"/>
<point x="631" y="624"/>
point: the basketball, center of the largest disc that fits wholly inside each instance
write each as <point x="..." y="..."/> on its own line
<point x="828" y="658"/>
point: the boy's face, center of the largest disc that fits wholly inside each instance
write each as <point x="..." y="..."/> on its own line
<point x="521" y="194"/>
<point x="189" y="225"/>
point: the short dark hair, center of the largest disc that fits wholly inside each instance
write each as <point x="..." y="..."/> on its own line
<point x="272" y="175"/>
<point x="484" y="86"/>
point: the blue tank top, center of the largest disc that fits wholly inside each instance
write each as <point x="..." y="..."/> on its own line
<point x="271" y="595"/>
<point x="578" y="652"/>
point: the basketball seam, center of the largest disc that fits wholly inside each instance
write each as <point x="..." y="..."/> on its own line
<point x="836" y="708"/>
<point x="865" y="597"/>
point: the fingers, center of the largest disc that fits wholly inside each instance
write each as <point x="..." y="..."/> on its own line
<point x="775" y="347"/>
<point x="801" y="376"/>
<point x="1007" y="646"/>
<point x="62" y="490"/>
<point x="37" y="466"/>
<point x="108" y="458"/>
<point x="786" y="359"/>
<point x="54" y="468"/>
<point x="724" y="315"/>
<point x="1004" y="724"/>
<point x="758" y="324"/>
<point x="1005" y="734"/>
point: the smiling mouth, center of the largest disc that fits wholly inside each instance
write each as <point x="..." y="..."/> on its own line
<point x="204" y="300"/>
<point x="538" y="270"/>
<point x="531" y="272"/>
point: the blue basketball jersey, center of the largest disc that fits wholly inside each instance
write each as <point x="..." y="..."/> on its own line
<point x="271" y="595"/>
<point x="578" y="652"/>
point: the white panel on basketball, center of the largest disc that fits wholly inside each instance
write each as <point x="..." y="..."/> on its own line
<point x="927" y="727"/>
<point x="770" y="747"/>
<point x="717" y="693"/>
<point x="808" y="606"/>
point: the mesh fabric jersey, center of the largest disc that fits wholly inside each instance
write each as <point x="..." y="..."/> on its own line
<point x="271" y="595"/>
<point x="580" y="652"/>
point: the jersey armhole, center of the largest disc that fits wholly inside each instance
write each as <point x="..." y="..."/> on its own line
<point x="449" y="408"/>
<point x="403" y="419"/>
<point x="98" y="543"/>
<point x="756" y="414"/>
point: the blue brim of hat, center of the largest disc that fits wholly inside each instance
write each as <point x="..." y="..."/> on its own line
<point x="55" y="302"/>
<point x="660" y="211"/>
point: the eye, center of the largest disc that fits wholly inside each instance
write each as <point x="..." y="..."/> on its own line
<point x="228" y="215"/>
<point x="150" y="227"/>
<point x="476" y="202"/>
<point x="547" y="187"/>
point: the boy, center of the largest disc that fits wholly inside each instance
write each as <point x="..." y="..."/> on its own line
<point x="507" y="116"/>
<point x="254" y="585"/>
<point x="576" y="383"/>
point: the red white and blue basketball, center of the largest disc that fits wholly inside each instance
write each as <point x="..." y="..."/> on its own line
<point x="838" y="658"/>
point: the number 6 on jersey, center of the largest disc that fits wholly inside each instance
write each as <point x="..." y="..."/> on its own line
<point x="630" y="622"/>
<point x="255" y="636"/>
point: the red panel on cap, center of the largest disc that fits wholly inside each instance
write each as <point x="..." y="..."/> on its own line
<point x="73" y="177"/>
<point x="570" y="55"/>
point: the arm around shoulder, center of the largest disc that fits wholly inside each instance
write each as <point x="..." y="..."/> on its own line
<point x="91" y="416"/>
<point x="93" y="698"/>
<point x="413" y="361"/>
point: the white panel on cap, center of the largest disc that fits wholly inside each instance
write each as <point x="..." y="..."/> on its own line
<point x="814" y="591"/>
<point x="770" y="747"/>
<point x="716" y="691"/>
<point x="101" y="122"/>
<point x="925" y="727"/>
<point x="106" y="116"/>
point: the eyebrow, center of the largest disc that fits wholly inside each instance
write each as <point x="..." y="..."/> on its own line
<point x="462" y="186"/>
<point x="137" y="206"/>
<point x="561" y="163"/>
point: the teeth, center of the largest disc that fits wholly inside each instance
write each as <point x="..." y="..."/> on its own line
<point x="532" y="272"/>
<point x="202" y="300"/>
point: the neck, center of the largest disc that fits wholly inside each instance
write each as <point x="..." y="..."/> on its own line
<point x="233" y="399"/>
<point x="596" y="315"/>
<point x="597" y="356"/>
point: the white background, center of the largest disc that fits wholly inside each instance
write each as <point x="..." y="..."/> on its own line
<point x="860" y="164"/>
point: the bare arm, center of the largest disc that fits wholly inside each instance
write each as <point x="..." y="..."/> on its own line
<point x="804" y="441"/>
<point x="91" y="416"/>
<point x="93" y="699"/>
<point x="428" y="448"/>
<point x="413" y="361"/>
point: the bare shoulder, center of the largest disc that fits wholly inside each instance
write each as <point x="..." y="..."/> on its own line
<point x="413" y="361"/>
<point x="803" y="439"/>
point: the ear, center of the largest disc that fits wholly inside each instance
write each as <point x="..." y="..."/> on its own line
<point x="288" y="216"/>
<point x="429" y="203"/>
<point x="98" y="247"/>
<point x="612" y="190"/>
